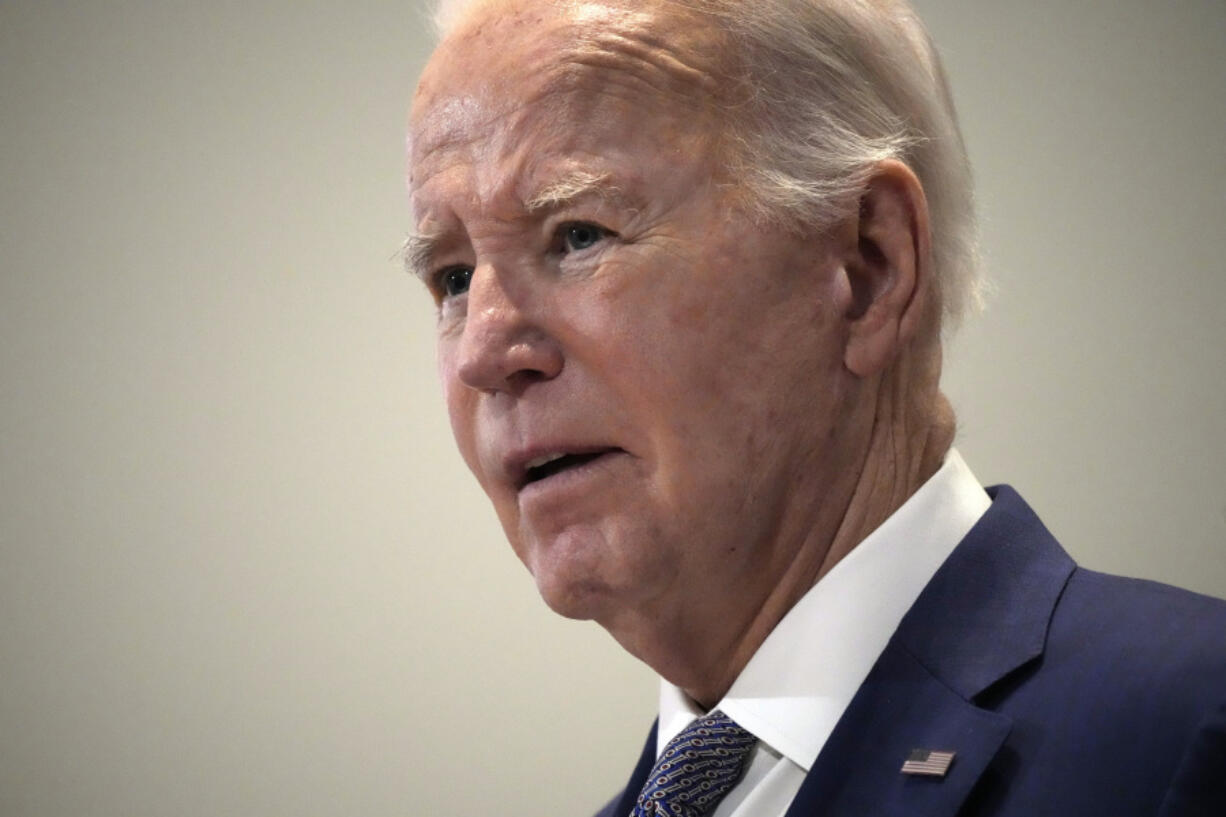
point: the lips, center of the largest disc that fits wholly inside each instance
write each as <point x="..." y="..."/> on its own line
<point x="539" y="467"/>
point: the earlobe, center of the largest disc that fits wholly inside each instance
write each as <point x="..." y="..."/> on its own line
<point x="887" y="269"/>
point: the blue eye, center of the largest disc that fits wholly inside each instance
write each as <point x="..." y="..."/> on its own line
<point x="455" y="280"/>
<point x="580" y="235"/>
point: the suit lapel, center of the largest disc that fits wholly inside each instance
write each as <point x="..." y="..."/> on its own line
<point x="986" y="611"/>
<point x="899" y="708"/>
<point x="984" y="615"/>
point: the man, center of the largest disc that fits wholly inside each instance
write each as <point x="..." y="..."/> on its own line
<point x="692" y="262"/>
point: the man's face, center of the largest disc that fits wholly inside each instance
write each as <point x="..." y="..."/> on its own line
<point x="644" y="382"/>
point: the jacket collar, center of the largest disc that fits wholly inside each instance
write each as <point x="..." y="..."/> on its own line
<point x="986" y="611"/>
<point x="984" y="614"/>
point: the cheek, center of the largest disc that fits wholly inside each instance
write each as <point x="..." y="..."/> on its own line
<point x="752" y="374"/>
<point x="461" y="412"/>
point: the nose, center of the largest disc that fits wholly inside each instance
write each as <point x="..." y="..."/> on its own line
<point x="503" y="348"/>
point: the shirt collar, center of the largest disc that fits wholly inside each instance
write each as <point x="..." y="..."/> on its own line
<point x="797" y="685"/>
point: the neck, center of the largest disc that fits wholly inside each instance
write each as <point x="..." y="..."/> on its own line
<point x="900" y="445"/>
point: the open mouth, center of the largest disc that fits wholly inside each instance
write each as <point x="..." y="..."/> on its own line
<point x="538" y="471"/>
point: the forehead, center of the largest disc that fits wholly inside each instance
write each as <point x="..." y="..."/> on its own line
<point x="535" y="77"/>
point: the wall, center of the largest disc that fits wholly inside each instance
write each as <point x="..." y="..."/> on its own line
<point x="242" y="570"/>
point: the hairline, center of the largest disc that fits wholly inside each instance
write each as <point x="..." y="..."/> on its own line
<point x="767" y="155"/>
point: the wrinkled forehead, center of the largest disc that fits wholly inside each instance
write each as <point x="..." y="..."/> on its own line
<point x="570" y="58"/>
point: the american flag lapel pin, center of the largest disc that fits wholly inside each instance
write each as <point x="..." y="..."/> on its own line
<point x="928" y="762"/>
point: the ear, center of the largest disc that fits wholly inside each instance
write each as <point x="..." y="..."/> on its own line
<point x="888" y="269"/>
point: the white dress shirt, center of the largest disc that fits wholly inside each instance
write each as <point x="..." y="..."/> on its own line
<point x="798" y="684"/>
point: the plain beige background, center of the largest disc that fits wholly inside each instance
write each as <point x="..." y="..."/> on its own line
<point x="242" y="571"/>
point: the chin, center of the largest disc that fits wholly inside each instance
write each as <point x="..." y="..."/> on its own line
<point x="573" y="595"/>
<point x="588" y="574"/>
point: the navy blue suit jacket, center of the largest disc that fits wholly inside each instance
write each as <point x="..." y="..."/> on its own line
<point x="1063" y="692"/>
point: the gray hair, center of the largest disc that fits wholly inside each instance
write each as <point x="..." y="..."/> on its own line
<point x="835" y="87"/>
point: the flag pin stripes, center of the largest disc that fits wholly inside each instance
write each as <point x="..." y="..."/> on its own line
<point x="929" y="762"/>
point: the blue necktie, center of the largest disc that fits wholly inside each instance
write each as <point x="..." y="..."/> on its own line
<point x="696" y="769"/>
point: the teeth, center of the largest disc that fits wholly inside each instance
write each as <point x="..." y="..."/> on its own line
<point x="539" y="461"/>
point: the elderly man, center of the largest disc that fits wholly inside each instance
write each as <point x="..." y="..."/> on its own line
<point x="692" y="262"/>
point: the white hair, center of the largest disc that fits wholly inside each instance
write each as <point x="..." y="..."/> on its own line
<point x="832" y="88"/>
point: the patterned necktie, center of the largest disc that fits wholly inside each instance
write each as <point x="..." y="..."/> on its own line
<point x="696" y="770"/>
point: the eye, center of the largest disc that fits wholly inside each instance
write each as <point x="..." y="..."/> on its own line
<point x="454" y="281"/>
<point x="580" y="235"/>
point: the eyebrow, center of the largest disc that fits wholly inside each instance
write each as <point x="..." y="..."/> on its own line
<point x="419" y="249"/>
<point x="417" y="254"/>
<point x="571" y="187"/>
